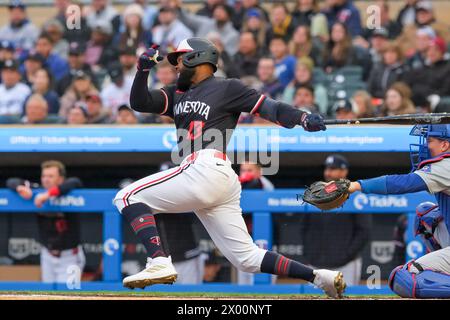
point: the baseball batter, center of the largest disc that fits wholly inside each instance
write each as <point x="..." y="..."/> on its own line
<point x="206" y="110"/>
<point x="428" y="276"/>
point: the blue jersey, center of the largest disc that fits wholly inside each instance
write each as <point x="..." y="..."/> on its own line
<point x="432" y="176"/>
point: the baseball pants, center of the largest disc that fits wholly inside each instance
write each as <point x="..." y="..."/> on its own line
<point x="206" y="184"/>
<point x="190" y="271"/>
<point x="58" y="269"/>
<point x="438" y="260"/>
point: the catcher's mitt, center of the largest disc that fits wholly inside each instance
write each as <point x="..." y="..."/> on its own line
<point x="327" y="195"/>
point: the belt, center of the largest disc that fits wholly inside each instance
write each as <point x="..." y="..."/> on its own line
<point x="58" y="253"/>
<point x="220" y="155"/>
<point x="217" y="154"/>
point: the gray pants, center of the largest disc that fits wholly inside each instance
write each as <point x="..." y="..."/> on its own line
<point x="438" y="260"/>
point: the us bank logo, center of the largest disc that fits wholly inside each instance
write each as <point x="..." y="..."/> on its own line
<point x="361" y="201"/>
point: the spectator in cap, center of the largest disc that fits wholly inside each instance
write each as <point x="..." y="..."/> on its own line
<point x="125" y="115"/>
<point x="77" y="61"/>
<point x="12" y="92"/>
<point x="36" y="111"/>
<point x="434" y="78"/>
<point x="42" y="84"/>
<point x="391" y="69"/>
<point x="170" y="31"/>
<point x="220" y="23"/>
<point x="97" y="114"/>
<point x="346" y="13"/>
<point x="79" y="89"/>
<point x="6" y="52"/>
<point x="248" y="55"/>
<point x="336" y="241"/>
<point x="281" y="23"/>
<point x="57" y="65"/>
<point x="343" y="109"/>
<point x="19" y="30"/>
<point x="134" y="35"/>
<point x="422" y="41"/>
<point x="82" y="33"/>
<point x="55" y="31"/>
<point x="117" y="92"/>
<point x="307" y="13"/>
<point x="255" y="22"/>
<point x="378" y="44"/>
<point x="78" y="114"/>
<point x="33" y="62"/>
<point x="101" y="11"/>
<point x="241" y="10"/>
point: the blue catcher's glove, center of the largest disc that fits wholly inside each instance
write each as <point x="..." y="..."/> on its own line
<point x="149" y="58"/>
<point x="312" y="122"/>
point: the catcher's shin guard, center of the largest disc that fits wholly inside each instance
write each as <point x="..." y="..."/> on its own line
<point x="425" y="284"/>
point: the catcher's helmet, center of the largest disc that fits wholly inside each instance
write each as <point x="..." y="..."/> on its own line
<point x="419" y="152"/>
<point x="198" y="51"/>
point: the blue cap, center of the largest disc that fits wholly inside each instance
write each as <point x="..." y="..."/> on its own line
<point x="6" y="44"/>
<point x="253" y="12"/>
<point x="16" y="4"/>
<point x="336" y="161"/>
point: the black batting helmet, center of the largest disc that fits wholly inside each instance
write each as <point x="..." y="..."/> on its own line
<point x="198" y="51"/>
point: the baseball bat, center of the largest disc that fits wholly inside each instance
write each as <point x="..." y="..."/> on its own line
<point x="404" y="119"/>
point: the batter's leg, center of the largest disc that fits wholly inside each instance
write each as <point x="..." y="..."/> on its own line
<point x="181" y="189"/>
<point x="227" y="229"/>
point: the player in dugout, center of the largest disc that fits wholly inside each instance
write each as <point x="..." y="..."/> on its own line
<point x="429" y="275"/>
<point x="59" y="233"/>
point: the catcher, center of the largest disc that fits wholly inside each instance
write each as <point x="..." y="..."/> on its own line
<point x="428" y="276"/>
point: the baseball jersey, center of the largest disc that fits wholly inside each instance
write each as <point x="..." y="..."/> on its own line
<point x="436" y="176"/>
<point x="206" y="114"/>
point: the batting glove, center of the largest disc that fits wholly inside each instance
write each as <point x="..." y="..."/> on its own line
<point x="312" y="122"/>
<point x="149" y="58"/>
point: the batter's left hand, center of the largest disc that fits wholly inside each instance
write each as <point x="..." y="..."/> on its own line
<point x="312" y="122"/>
<point x="41" y="198"/>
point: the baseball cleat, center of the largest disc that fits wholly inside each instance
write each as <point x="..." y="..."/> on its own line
<point x="331" y="282"/>
<point x="157" y="271"/>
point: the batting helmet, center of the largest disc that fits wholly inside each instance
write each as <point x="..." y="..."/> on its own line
<point x="197" y="51"/>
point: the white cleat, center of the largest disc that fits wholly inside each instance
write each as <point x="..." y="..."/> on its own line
<point x="159" y="270"/>
<point x="331" y="282"/>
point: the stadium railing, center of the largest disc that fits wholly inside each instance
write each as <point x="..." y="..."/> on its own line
<point x="261" y="204"/>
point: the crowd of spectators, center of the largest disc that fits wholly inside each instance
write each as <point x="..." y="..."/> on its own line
<point x="316" y="55"/>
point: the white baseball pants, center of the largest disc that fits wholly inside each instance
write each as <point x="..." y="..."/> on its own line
<point x="206" y="184"/>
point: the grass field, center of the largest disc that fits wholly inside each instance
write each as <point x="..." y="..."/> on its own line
<point x="117" y="295"/>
